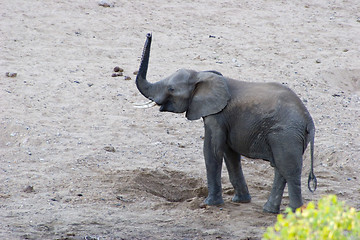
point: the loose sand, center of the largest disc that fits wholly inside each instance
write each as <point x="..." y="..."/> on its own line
<point x="62" y="109"/>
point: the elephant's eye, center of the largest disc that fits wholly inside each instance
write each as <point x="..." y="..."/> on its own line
<point x="171" y="89"/>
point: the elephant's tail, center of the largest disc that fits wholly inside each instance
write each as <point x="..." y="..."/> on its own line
<point x="312" y="182"/>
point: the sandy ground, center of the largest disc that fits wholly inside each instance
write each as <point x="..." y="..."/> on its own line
<point x="62" y="113"/>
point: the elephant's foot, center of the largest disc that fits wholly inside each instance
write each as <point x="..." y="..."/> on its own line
<point x="270" y="208"/>
<point x="214" y="200"/>
<point x="297" y="206"/>
<point x="242" y="198"/>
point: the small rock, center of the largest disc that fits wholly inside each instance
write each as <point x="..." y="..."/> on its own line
<point x="236" y="63"/>
<point x="56" y="198"/>
<point x="11" y="74"/>
<point x="199" y="58"/>
<point x="105" y="3"/>
<point x="318" y="60"/>
<point x="203" y="205"/>
<point x="118" y="69"/>
<point x="109" y="149"/>
<point x="345" y="50"/>
<point x="13" y="134"/>
<point x="229" y="191"/>
<point x="121" y="198"/>
<point x="135" y="72"/>
<point x="181" y="145"/>
<point x="127" y="78"/>
<point x="118" y="74"/>
<point x="29" y="189"/>
<point x="90" y="84"/>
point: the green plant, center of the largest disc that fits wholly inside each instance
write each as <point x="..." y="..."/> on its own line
<point x="330" y="219"/>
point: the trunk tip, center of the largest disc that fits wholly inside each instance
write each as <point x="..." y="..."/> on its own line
<point x="149" y="35"/>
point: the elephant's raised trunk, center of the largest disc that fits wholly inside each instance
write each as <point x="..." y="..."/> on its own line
<point x="145" y="87"/>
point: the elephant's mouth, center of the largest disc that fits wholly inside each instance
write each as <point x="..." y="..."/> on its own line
<point x="169" y="106"/>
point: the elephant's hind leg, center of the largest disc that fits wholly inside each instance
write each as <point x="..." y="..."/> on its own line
<point x="294" y="187"/>
<point x="237" y="179"/>
<point x="274" y="201"/>
<point x="287" y="156"/>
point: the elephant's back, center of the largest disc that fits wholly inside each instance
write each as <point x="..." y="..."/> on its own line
<point x="257" y="110"/>
<point x="264" y="98"/>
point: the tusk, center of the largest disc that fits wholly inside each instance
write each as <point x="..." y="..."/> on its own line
<point x="145" y="105"/>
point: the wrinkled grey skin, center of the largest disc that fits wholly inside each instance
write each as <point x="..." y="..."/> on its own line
<point x="257" y="120"/>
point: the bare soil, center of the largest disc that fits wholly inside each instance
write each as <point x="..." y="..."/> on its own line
<point x="78" y="161"/>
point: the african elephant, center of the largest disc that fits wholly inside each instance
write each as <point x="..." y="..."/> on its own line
<point x="257" y="120"/>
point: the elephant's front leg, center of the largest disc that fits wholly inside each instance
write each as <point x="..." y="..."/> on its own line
<point x="237" y="179"/>
<point x="213" y="154"/>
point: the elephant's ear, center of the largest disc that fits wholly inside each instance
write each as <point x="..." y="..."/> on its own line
<point x="210" y="95"/>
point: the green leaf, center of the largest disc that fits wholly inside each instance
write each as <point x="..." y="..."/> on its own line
<point x="328" y="219"/>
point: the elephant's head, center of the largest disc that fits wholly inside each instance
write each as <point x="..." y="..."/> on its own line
<point x="199" y="94"/>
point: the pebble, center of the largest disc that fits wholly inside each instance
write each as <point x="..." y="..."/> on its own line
<point x="203" y="205"/>
<point x="29" y="189"/>
<point x="318" y="60"/>
<point x="109" y="149"/>
<point x="121" y="198"/>
<point x="105" y="3"/>
<point x="127" y="78"/>
<point x="118" y="69"/>
<point x="118" y="74"/>
<point x="135" y="72"/>
<point x="236" y="63"/>
<point x="181" y="145"/>
<point x="11" y="74"/>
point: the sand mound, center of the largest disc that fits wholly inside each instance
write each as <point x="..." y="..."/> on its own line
<point x="343" y="79"/>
